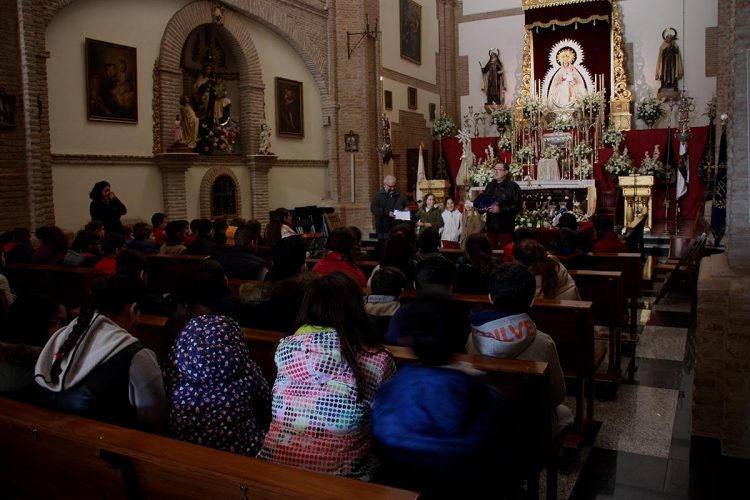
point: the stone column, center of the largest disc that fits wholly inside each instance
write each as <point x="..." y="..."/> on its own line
<point x="447" y="58"/>
<point x="173" y="168"/>
<point x="259" y="167"/>
<point x="354" y="107"/>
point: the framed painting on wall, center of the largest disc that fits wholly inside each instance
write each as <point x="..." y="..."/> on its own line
<point x="289" y="115"/>
<point x="410" y="21"/>
<point x="111" y="82"/>
<point x="411" y="95"/>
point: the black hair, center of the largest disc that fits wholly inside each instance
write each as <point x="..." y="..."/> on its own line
<point x="130" y="264"/>
<point x="157" y="219"/>
<point x="85" y="241"/>
<point x="141" y="231"/>
<point x="567" y="238"/>
<point x="335" y="301"/>
<point x="96" y="191"/>
<point x="108" y="296"/>
<point x="175" y="232"/>
<point x="112" y="243"/>
<point x="568" y="219"/>
<point x="288" y="257"/>
<point x="407" y="230"/>
<point x="21" y="235"/>
<point x="388" y="281"/>
<point x="399" y="253"/>
<point x="534" y="256"/>
<point x="341" y="240"/>
<point x="273" y="229"/>
<point x="512" y="287"/>
<point x="479" y="253"/>
<point x="435" y="270"/>
<point x="523" y="233"/>
<point x="53" y="237"/>
<point x="29" y="319"/>
<point x="203" y="227"/>
<point x="429" y="240"/>
<point x="247" y="234"/>
<point x="604" y="224"/>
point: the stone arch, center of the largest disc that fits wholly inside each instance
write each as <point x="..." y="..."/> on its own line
<point x="206" y="187"/>
<point x="170" y="74"/>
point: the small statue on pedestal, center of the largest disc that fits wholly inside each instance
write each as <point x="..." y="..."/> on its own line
<point x="493" y="80"/>
<point x="265" y="139"/>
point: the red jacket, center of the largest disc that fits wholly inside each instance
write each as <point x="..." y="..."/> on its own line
<point x="335" y="261"/>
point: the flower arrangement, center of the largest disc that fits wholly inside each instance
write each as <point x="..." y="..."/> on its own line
<point x="217" y="139"/>
<point x="443" y="126"/>
<point x="582" y="150"/>
<point x="562" y="122"/>
<point x="651" y="164"/>
<point x="533" y="219"/>
<point x="483" y="172"/>
<point x="583" y="169"/>
<point x="591" y="104"/>
<point x="515" y="170"/>
<point x="501" y="118"/>
<point x="619" y="164"/>
<point x="532" y="107"/>
<point x="612" y="137"/>
<point x="553" y="153"/>
<point x="525" y="155"/>
<point x="650" y="109"/>
<point x="505" y="142"/>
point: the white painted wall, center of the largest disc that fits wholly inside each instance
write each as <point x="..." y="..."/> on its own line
<point x="279" y="59"/>
<point x="141" y="24"/>
<point x="137" y="23"/>
<point x="400" y="101"/>
<point x="138" y="187"/>
<point x="643" y="22"/>
<point x="296" y="186"/>
<point x="390" y="41"/>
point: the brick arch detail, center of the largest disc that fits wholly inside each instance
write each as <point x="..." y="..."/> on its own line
<point x="207" y="183"/>
<point x="251" y="85"/>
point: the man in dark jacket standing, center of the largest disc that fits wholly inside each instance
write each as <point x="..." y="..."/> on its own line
<point x="384" y="203"/>
<point x="501" y="216"/>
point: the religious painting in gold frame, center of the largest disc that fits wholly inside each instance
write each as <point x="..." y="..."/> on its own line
<point x="620" y="95"/>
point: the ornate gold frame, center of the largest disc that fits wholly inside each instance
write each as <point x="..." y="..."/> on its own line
<point x="620" y="98"/>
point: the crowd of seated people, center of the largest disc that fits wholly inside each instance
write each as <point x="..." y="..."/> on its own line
<point x="338" y="404"/>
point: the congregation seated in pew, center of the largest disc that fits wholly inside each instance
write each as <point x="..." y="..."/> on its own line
<point x="507" y="331"/>
<point x="386" y="286"/>
<point x="473" y="273"/>
<point x="552" y="279"/>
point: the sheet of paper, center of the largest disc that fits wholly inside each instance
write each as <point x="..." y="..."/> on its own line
<point x="402" y="215"/>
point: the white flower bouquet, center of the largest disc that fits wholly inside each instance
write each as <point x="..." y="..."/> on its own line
<point x="612" y="137"/>
<point x="619" y="165"/>
<point x="525" y="155"/>
<point x="650" y="109"/>
<point x="443" y="127"/>
<point x="502" y="118"/>
<point x="582" y="150"/>
<point x="553" y="153"/>
<point x="505" y="142"/>
<point x="562" y="122"/>
<point x="532" y="107"/>
<point x="591" y="104"/>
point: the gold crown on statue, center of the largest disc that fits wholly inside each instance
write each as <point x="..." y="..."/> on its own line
<point x="566" y="54"/>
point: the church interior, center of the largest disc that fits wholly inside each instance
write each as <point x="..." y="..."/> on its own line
<point x="209" y="109"/>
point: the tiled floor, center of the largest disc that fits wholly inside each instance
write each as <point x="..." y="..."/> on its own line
<point x="642" y="448"/>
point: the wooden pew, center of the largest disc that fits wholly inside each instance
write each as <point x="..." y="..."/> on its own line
<point x="525" y="383"/>
<point x="69" y="285"/>
<point x="631" y="267"/>
<point x="52" y="454"/>
<point x="605" y="292"/>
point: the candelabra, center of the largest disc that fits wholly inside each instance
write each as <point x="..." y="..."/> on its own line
<point x="472" y="120"/>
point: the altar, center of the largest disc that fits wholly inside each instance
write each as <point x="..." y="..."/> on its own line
<point x="637" y="142"/>
<point x="567" y="193"/>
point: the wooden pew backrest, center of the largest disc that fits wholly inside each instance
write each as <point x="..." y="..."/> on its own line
<point x="48" y="453"/>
